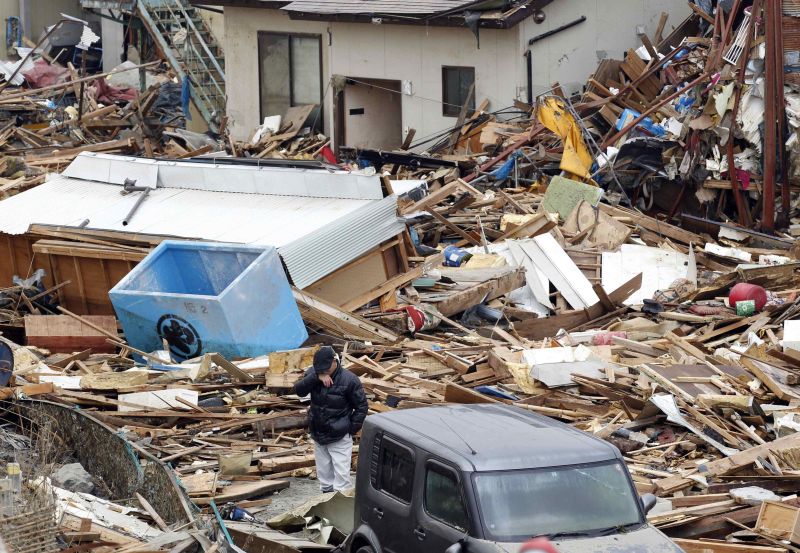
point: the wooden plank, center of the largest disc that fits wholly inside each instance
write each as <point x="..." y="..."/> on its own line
<point x="435" y="197"/>
<point x="331" y="317"/>
<point x="28" y="390"/>
<point x="152" y="512"/>
<point x="486" y="291"/>
<point x="389" y="286"/>
<point x="243" y="490"/>
<point x="545" y="327"/>
<point x="237" y="373"/>
<point x="468" y="237"/>
<point x="654" y="225"/>
<point x="707" y="546"/>
<point x="458" y="394"/>
<point x="729" y="464"/>
<point x="63" y="334"/>
<point x="462" y="115"/>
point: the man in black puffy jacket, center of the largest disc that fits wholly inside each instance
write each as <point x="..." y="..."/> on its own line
<point x="338" y="409"/>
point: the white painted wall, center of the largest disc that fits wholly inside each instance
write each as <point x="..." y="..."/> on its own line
<point x="395" y="52"/>
<point x="381" y="124"/>
<point x="571" y="56"/>
<point x="241" y="62"/>
<point x="417" y="54"/>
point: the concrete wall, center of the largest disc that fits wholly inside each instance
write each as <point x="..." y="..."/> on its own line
<point x="8" y="8"/>
<point x="37" y="15"/>
<point x="42" y="14"/>
<point x="417" y="54"/>
<point x="570" y="56"/>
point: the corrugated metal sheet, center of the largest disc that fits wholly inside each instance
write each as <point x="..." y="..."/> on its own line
<point x="791" y="7"/>
<point x="368" y="7"/>
<point x="282" y="181"/>
<point x="312" y="257"/>
<point x="791" y="33"/>
<point x="220" y="216"/>
<point x="314" y="235"/>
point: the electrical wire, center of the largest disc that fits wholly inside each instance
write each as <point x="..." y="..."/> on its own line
<point x="441" y="134"/>
<point x="402" y="94"/>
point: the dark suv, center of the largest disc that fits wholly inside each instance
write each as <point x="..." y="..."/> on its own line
<point x="476" y="478"/>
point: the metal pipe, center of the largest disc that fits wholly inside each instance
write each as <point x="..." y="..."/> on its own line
<point x="529" y="67"/>
<point x="551" y="32"/>
<point x="135" y="207"/>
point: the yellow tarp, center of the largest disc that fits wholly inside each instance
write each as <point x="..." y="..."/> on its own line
<point x="576" y="159"/>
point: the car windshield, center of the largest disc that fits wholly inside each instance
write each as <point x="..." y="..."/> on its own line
<point x="565" y="500"/>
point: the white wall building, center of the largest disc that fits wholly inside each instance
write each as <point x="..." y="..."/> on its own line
<point x="379" y="68"/>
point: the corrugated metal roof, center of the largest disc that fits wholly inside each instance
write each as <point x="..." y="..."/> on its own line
<point x="316" y="255"/>
<point x="791" y="33"/>
<point x="791" y="7"/>
<point x="407" y="7"/>
<point x="219" y="216"/>
<point x="318" y="235"/>
<point x="282" y="181"/>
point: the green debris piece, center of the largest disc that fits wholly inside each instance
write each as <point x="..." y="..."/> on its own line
<point x="564" y="194"/>
<point x="424" y="283"/>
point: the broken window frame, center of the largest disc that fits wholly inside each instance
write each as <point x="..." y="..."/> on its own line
<point x="317" y="115"/>
<point x="451" y="107"/>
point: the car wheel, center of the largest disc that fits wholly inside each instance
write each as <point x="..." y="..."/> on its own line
<point x="365" y="549"/>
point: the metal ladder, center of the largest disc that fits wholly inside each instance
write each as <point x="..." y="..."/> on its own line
<point x="191" y="50"/>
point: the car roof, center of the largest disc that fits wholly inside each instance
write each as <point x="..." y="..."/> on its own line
<point x="487" y="437"/>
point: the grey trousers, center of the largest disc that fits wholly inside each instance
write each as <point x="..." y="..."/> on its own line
<point x="333" y="464"/>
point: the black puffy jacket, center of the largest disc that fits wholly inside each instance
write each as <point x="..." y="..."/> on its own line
<point x="335" y="411"/>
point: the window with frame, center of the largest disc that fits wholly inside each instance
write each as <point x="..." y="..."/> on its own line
<point x="456" y="85"/>
<point x="290" y="73"/>
<point x="396" y="470"/>
<point x="443" y="500"/>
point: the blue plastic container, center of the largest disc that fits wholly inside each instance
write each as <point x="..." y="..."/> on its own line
<point x="646" y="123"/>
<point x="204" y="297"/>
<point x="455" y="256"/>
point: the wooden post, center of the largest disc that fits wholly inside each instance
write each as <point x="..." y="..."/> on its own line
<point x="770" y="123"/>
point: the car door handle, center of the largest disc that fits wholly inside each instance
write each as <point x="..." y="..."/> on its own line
<point x="419" y="531"/>
<point x="378" y="512"/>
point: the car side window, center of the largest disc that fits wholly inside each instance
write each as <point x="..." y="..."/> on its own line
<point x="396" y="470"/>
<point x="443" y="499"/>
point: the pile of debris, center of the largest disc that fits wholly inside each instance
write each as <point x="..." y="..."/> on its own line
<point x="545" y="270"/>
<point x="657" y="130"/>
<point x="54" y="110"/>
<point x="290" y="136"/>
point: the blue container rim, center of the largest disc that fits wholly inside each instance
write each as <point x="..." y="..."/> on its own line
<point x="143" y="265"/>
